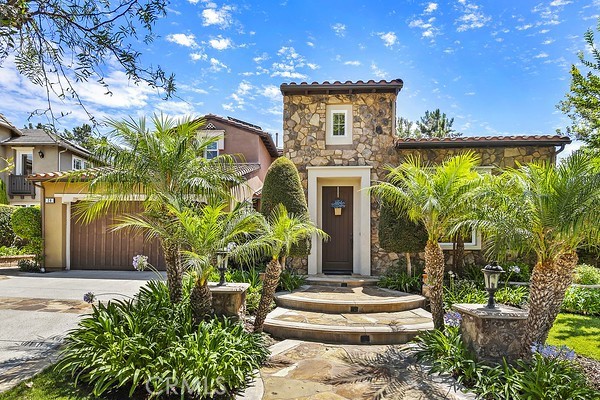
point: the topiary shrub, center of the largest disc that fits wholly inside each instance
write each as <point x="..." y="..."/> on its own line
<point x="398" y="234"/>
<point x="282" y="186"/>
<point x="7" y="235"/>
<point x="27" y="224"/>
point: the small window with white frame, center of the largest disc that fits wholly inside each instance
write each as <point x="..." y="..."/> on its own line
<point x="78" y="163"/>
<point x="339" y="124"/>
<point x="211" y="150"/>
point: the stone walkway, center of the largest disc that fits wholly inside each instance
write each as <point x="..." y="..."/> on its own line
<point x="310" y="371"/>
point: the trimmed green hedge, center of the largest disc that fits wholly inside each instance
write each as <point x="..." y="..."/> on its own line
<point x="7" y="235"/>
<point x="3" y="194"/>
<point x="282" y="185"/>
<point x="398" y="234"/>
<point x="27" y="224"/>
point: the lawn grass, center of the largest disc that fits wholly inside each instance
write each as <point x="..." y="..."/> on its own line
<point x="579" y="332"/>
<point x="48" y="385"/>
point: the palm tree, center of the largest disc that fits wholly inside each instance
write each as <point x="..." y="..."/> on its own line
<point x="161" y="165"/>
<point x="551" y="211"/>
<point x="279" y="233"/>
<point x="207" y="231"/>
<point x="435" y="197"/>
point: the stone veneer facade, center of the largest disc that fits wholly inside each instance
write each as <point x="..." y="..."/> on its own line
<point x="373" y="122"/>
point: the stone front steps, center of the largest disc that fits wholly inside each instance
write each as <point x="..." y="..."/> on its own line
<point x="348" y="315"/>
<point x="341" y="280"/>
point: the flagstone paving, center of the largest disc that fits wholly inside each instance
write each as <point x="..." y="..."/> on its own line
<point x="311" y="371"/>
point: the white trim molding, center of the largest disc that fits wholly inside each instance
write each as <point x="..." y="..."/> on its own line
<point x="359" y="177"/>
<point x="332" y="139"/>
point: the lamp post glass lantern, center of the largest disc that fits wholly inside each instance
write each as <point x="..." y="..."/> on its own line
<point x="222" y="265"/>
<point x="491" y="274"/>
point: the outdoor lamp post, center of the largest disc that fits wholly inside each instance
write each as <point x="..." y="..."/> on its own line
<point x="491" y="274"/>
<point x="222" y="265"/>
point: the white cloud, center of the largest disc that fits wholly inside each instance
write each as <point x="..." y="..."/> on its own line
<point x="524" y="27"/>
<point x="541" y="55"/>
<point x="217" y="66"/>
<point x="290" y="75"/>
<point x="470" y="94"/>
<point x="290" y="61"/>
<point x="431" y="7"/>
<point x="220" y="43"/>
<point x="354" y="63"/>
<point x="389" y="38"/>
<point x="220" y="17"/>
<point x="310" y="44"/>
<point x="427" y="27"/>
<point x="472" y="17"/>
<point x="378" y="72"/>
<point x="558" y="3"/>
<point x="261" y="58"/>
<point x="272" y="92"/>
<point x="227" y="106"/>
<point x="182" y="39"/>
<point x="198" y="56"/>
<point x="339" y="29"/>
<point x="312" y="66"/>
<point x="548" y="41"/>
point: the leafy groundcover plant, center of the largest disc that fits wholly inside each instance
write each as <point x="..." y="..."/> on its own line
<point x="549" y="374"/>
<point x="581" y="300"/>
<point x="149" y="346"/>
<point x="587" y="275"/>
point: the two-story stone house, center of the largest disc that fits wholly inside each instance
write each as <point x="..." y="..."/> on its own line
<point x="35" y="151"/>
<point x="341" y="136"/>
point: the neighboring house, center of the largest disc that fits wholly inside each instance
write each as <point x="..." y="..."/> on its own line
<point x="69" y="244"/>
<point x="341" y="136"/>
<point x="35" y="151"/>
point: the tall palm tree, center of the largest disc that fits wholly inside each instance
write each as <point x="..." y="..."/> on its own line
<point x="279" y="233"/>
<point x="435" y="197"/>
<point x="160" y="165"/>
<point x="551" y="211"/>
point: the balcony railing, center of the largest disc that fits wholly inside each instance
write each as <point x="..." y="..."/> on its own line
<point x="18" y="185"/>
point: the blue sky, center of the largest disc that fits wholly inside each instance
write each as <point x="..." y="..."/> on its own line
<point x="497" y="67"/>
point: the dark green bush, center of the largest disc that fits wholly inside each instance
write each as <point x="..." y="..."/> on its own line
<point x="465" y="291"/>
<point x="282" y="186"/>
<point x="11" y="251"/>
<point x="28" y="266"/>
<point x="27" y="224"/>
<point x="398" y="234"/>
<point x="290" y="280"/>
<point x="151" y="343"/>
<point x="580" y="300"/>
<point x="7" y="235"/>
<point x="3" y="194"/>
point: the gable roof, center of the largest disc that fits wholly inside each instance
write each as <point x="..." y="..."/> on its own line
<point x="483" y="141"/>
<point x="337" y="87"/>
<point x="40" y="137"/>
<point x="6" y="123"/>
<point x="266" y="137"/>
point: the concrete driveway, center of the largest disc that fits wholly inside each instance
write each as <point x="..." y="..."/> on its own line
<point x="36" y="311"/>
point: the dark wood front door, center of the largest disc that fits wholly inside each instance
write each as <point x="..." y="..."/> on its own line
<point x="337" y="252"/>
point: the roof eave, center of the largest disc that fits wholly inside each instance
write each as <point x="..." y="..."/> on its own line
<point x="477" y="144"/>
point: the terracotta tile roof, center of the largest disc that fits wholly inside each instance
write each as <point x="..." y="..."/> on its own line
<point x="484" y="141"/>
<point x="382" y="86"/>
<point x="240" y="168"/>
<point x="266" y="137"/>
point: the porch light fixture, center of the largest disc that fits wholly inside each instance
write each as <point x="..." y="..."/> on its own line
<point x="491" y="274"/>
<point x="41" y="154"/>
<point x="222" y="261"/>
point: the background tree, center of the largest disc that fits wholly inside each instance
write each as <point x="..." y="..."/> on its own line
<point x="165" y="165"/>
<point x="405" y="129"/>
<point x="83" y="136"/>
<point x="398" y="234"/>
<point x="434" y="196"/>
<point x="58" y="42"/>
<point x="582" y="103"/>
<point x="435" y="124"/>
<point x="551" y="211"/>
<point x="282" y="186"/>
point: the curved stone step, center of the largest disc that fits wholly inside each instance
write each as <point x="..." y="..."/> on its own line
<point x="342" y="280"/>
<point x="376" y="328"/>
<point x="367" y="299"/>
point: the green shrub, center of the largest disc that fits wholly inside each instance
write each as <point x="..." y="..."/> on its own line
<point x="3" y="194"/>
<point x="581" y="300"/>
<point x="150" y="342"/>
<point x="290" y="280"/>
<point x="396" y="278"/>
<point x="514" y="296"/>
<point x="398" y="234"/>
<point x="282" y="186"/>
<point x="11" y="251"/>
<point x="463" y="291"/>
<point x="587" y="275"/>
<point x="7" y="235"/>
<point x="28" y="266"/>
<point x="27" y="224"/>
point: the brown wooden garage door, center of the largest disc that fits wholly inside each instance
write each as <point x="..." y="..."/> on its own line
<point x="94" y="247"/>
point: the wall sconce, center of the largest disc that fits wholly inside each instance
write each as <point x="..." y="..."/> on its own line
<point x="41" y="154"/>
